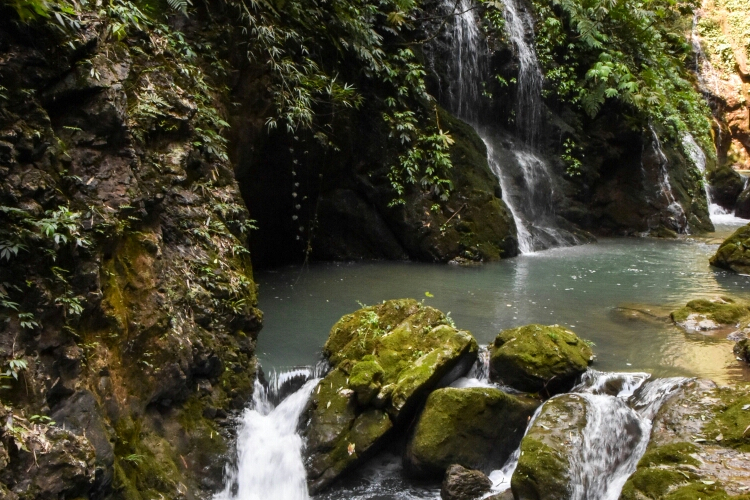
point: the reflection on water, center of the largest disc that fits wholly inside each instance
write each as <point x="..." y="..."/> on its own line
<point x="578" y="287"/>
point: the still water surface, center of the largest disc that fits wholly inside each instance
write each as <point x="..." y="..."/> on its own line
<point x="616" y="293"/>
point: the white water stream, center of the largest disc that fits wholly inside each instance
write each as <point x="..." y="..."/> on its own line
<point x="269" y="459"/>
<point x="675" y="210"/>
<point x="620" y="408"/>
<point x="523" y="174"/>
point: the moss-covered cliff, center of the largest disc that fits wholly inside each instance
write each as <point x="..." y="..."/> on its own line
<point x="127" y="298"/>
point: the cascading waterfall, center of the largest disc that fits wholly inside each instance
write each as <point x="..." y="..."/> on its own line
<point x="269" y="459"/>
<point x="619" y="413"/>
<point x="524" y="176"/>
<point x="717" y="213"/>
<point x="465" y="70"/>
<point x="529" y="96"/>
<point x="677" y="213"/>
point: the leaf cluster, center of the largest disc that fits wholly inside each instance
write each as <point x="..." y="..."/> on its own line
<point x="633" y="52"/>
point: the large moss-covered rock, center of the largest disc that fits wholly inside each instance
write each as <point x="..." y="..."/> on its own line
<point x="533" y="358"/>
<point x="703" y="315"/>
<point x="698" y="447"/>
<point x="475" y="427"/>
<point x="385" y="359"/>
<point x="544" y="467"/>
<point x="734" y="253"/>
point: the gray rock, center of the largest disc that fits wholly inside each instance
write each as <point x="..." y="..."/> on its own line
<point x="461" y="483"/>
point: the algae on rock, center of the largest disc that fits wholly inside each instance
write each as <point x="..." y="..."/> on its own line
<point x="477" y="428"/>
<point x="734" y="253"/>
<point x="385" y="359"/>
<point x="698" y="447"/>
<point x="536" y="358"/>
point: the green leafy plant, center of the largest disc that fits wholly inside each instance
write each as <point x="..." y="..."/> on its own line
<point x="14" y="368"/>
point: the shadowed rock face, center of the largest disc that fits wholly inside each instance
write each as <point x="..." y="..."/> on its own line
<point x="476" y="427"/>
<point x="533" y="358"/>
<point x="464" y="484"/>
<point x="132" y="272"/>
<point x="386" y="359"/>
<point x="340" y="202"/>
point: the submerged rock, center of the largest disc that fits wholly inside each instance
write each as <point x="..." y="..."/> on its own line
<point x="461" y="483"/>
<point x="734" y="253"/>
<point x="702" y="315"/>
<point x="477" y="427"/>
<point x="533" y="358"/>
<point x="386" y="359"/>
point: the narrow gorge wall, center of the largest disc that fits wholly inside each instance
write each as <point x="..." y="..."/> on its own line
<point x="127" y="297"/>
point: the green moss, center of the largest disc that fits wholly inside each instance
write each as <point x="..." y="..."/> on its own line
<point x="670" y="454"/>
<point x="365" y="379"/>
<point x="473" y="427"/>
<point x="701" y="491"/>
<point x="652" y="482"/>
<point x="390" y="355"/>
<point x="532" y="356"/>
<point x="734" y="253"/>
<point x="730" y="420"/>
<point x="540" y="470"/>
<point x="725" y="312"/>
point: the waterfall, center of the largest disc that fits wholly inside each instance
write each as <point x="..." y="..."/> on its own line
<point x="523" y="175"/>
<point x="718" y="214"/>
<point x="465" y="70"/>
<point x="619" y="413"/>
<point x="529" y="96"/>
<point x="677" y="213"/>
<point x="269" y="450"/>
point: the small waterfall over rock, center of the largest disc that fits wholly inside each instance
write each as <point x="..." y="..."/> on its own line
<point x="269" y="460"/>
<point x="719" y="214"/>
<point x="620" y="408"/>
<point x="525" y="180"/>
<point x="676" y="218"/>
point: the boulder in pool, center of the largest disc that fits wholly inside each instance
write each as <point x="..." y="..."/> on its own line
<point x="538" y="358"/>
<point x="734" y="253"/>
<point x="703" y="315"/>
<point x="461" y="483"/>
<point x="478" y="428"/>
<point x="385" y="361"/>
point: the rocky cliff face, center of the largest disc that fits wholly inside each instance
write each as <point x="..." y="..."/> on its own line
<point x="127" y="298"/>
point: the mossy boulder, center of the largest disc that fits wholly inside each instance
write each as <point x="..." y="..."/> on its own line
<point x="386" y="359"/>
<point x="734" y="253"/>
<point x="703" y="315"/>
<point x="697" y="446"/>
<point x="536" y="358"/>
<point x="544" y="468"/>
<point x="477" y="428"/>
